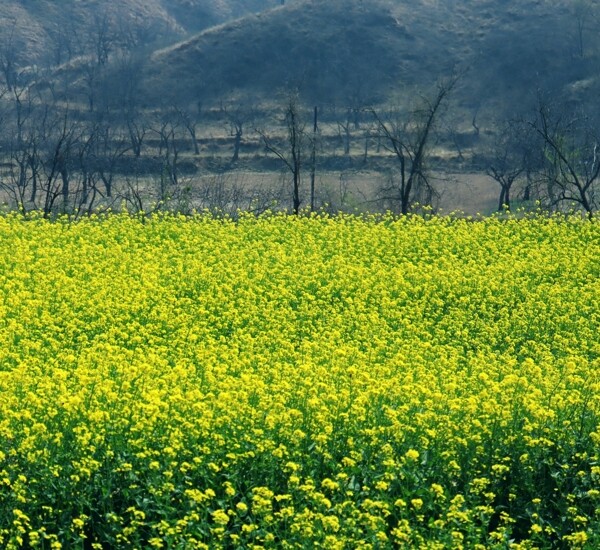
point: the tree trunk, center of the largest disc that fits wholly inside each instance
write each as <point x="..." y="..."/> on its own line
<point x="236" y="146"/>
<point x="296" y="197"/>
<point x="85" y="189"/>
<point x="192" y="132"/>
<point x="527" y="192"/>
<point x="34" y="185"/>
<point x="64" y="174"/>
<point x="313" y="161"/>
<point x="107" y="181"/>
<point x="502" y="200"/>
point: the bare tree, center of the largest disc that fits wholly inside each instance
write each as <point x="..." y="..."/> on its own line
<point x="20" y="144"/>
<point x="122" y="81"/>
<point x="65" y="42"/>
<point x="292" y="153"/>
<point x="167" y="130"/>
<point x="135" y="194"/>
<point x="510" y="158"/>
<point x="313" y="157"/>
<point x="51" y="158"/>
<point x="17" y="181"/>
<point x="86" y="187"/>
<point x="93" y="82"/>
<point x="505" y="176"/>
<point x="101" y="40"/>
<point x="137" y="130"/>
<point x="108" y="146"/>
<point x="9" y="59"/>
<point x="190" y="122"/>
<point x="101" y="43"/>
<point x="61" y="147"/>
<point x="237" y="116"/>
<point x="344" y="131"/>
<point x="408" y="136"/>
<point x="584" y="12"/>
<point x="571" y="147"/>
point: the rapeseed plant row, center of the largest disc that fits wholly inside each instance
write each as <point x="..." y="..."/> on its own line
<point x="299" y="382"/>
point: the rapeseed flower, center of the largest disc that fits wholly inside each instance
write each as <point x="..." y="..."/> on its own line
<point x="336" y="382"/>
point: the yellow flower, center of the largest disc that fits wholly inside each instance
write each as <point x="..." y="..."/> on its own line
<point x="417" y="503"/>
<point x="220" y="517"/>
<point x="284" y="362"/>
<point x="329" y="484"/>
<point x="411" y="454"/>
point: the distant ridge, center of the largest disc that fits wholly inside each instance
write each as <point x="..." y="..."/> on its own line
<point x="342" y="51"/>
<point x="346" y="53"/>
<point x="37" y="29"/>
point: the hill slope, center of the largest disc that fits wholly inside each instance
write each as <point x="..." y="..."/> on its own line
<point x="349" y="50"/>
<point x="41" y="31"/>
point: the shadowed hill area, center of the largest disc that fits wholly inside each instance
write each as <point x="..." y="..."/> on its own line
<point x="345" y="52"/>
<point x="353" y="51"/>
<point x="49" y="31"/>
<point x="327" y="48"/>
<point x="194" y="15"/>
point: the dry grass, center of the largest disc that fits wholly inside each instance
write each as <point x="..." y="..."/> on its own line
<point x="350" y="191"/>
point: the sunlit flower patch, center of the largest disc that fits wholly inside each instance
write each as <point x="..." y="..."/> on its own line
<point x="283" y="382"/>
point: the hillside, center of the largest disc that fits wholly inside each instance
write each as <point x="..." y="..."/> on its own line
<point x="343" y="52"/>
<point x="350" y="50"/>
<point x="45" y="31"/>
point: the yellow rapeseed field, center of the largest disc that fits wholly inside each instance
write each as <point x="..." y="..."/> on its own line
<point x="299" y="382"/>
